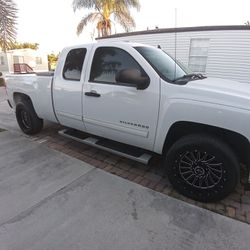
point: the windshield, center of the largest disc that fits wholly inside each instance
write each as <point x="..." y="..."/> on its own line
<point x="163" y="64"/>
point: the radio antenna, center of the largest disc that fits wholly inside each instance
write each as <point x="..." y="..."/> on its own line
<point x="175" y="43"/>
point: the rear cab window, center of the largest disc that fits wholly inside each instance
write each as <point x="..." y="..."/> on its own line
<point x="73" y="64"/>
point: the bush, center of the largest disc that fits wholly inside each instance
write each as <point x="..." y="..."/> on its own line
<point x="1" y="80"/>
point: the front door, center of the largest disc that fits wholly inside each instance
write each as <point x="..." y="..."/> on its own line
<point x="120" y="111"/>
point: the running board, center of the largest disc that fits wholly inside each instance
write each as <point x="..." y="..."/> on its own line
<point x="117" y="148"/>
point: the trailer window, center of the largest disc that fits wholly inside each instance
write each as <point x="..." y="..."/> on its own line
<point x="39" y="60"/>
<point x="198" y="54"/>
<point x="2" y="62"/>
<point x="73" y="64"/>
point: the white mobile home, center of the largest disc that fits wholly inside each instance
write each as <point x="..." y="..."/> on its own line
<point x="217" y="51"/>
<point x="21" y="59"/>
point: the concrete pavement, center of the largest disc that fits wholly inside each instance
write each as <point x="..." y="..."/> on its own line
<point x="51" y="201"/>
<point x="7" y="118"/>
<point x="30" y="172"/>
<point x="2" y="94"/>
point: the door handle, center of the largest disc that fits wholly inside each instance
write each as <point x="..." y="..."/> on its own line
<point x="92" y="93"/>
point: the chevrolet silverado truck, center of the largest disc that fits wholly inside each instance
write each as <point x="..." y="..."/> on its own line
<point x="136" y="101"/>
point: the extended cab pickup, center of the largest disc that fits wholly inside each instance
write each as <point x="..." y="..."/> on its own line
<point x="136" y="101"/>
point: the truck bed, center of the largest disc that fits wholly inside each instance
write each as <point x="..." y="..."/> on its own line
<point x="38" y="87"/>
<point x="47" y="73"/>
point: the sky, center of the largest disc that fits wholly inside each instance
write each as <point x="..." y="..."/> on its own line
<point x="52" y="23"/>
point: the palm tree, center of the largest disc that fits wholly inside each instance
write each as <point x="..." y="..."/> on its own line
<point x="103" y="11"/>
<point x="8" y="16"/>
<point x="247" y="23"/>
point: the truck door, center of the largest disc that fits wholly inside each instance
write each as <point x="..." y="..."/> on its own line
<point x="67" y="89"/>
<point x="120" y="111"/>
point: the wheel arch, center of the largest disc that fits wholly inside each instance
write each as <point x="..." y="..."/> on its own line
<point x="238" y="143"/>
<point x="29" y="123"/>
<point x="17" y="97"/>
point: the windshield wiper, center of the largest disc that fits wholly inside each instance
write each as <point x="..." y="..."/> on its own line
<point x="189" y="77"/>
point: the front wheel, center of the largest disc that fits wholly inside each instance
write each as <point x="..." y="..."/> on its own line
<point x="202" y="168"/>
<point x="27" y="118"/>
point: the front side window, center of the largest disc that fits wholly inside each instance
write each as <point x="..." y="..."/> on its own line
<point x="73" y="64"/>
<point x="163" y="64"/>
<point x="108" y="61"/>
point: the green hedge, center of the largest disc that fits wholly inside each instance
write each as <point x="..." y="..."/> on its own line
<point x="1" y="80"/>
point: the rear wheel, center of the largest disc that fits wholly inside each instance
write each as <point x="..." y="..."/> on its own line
<point x="202" y="167"/>
<point x="27" y="118"/>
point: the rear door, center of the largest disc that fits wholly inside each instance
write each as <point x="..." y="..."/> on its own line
<point x="120" y="111"/>
<point x="67" y="89"/>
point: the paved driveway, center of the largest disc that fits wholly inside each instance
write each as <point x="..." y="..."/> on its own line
<point x="237" y="205"/>
<point x="51" y="201"/>
<point x="2" y="94"/>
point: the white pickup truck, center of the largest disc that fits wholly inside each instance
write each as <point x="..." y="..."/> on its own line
<point x="137" y="102"/>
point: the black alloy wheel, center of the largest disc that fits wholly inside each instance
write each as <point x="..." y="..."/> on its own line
<point x="202" y="167"/>
<point x="27" y="118"/>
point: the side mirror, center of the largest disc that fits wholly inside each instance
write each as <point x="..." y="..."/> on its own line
<point x="133" y="76"/>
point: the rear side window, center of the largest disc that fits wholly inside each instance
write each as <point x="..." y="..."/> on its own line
<point x="73" y="64"/>
<point x="108" y="61"/>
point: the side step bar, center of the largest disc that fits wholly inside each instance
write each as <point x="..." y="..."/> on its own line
<point x="117" y="148"/>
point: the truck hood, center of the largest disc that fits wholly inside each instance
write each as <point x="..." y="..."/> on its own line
<point x="218" y="91"/>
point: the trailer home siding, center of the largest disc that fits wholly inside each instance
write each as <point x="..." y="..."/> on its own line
<point x="35" y="59"/>
<point x="222" y="52"/>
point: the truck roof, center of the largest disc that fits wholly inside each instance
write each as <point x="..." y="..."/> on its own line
<point x="108" y="43"/>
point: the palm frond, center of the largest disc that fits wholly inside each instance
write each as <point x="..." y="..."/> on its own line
<point x="91" y="17"/>
<point x="125" y="20"/>
<point x="8" y="17"/>
<point x="129" y="3"/>
<point x="88" y="4"/>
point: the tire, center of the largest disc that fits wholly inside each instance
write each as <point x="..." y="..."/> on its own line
<point x="202" y="168"/>
<point x="27" y="118"/>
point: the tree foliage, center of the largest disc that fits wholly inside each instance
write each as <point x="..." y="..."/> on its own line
<point x="103" y="10"/>
<point x="2" y="82"/>
<point x="52" y="59"/>
<point x="8" y="21"/>
<point x="25" y="45"/>
<point x="247" y="23"/>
